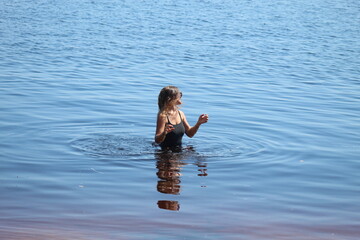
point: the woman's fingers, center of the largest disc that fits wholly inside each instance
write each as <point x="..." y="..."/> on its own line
<point x="169" y="128"/>
<point x="204" y="118"/>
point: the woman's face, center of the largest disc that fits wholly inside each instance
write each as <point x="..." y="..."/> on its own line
<point x="178" y="99"/>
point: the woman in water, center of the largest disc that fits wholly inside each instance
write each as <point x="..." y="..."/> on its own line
<point x="171" y="122"/>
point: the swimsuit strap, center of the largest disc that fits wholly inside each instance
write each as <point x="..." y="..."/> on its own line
<point x="180" y="116"/>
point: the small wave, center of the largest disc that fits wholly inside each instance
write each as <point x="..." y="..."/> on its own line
<point x="133" y="147"/>
<point x="245" y="149"/>
<point x="113" y="146"/>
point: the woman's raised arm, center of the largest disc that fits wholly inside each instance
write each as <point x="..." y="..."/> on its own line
<point x="191" y="131"/>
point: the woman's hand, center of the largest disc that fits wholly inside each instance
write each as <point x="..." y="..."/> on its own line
<point x="204" y="118"/>
<point x="168" y="128"/>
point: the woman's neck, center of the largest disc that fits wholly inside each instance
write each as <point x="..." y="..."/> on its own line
<point x="172" y="110"/>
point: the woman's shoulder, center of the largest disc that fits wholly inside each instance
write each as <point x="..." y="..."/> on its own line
<point x="182" y="113"/>
<point x="161" y="115"/>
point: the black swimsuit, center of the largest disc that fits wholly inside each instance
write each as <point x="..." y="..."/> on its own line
<point x="174" y="138"/>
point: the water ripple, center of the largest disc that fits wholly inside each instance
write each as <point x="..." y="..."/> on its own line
<point x="113" y="146"/>
<point x="244" y="149"/>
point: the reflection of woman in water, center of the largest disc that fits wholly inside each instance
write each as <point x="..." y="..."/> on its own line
<point x="169" y="166"/>
<point x="171" y="122"/>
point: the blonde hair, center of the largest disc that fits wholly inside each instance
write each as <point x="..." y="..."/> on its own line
<point x="166" y="97"/>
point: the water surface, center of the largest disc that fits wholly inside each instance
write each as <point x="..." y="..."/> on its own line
<point x="278" y="159"/>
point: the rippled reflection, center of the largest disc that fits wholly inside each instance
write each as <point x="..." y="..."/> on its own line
<point x="169" y="165"/>
<point x="169" y="205"/>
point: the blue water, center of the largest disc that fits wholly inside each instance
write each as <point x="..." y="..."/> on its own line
<point x="278" y="159"/>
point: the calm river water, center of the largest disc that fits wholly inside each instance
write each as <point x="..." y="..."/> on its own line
<point x="278" y="159"/>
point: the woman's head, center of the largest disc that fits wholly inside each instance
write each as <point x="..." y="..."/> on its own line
<point x="169" y="96"/>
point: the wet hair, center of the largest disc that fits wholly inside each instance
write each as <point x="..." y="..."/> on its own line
<point x="166" y="96"/>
